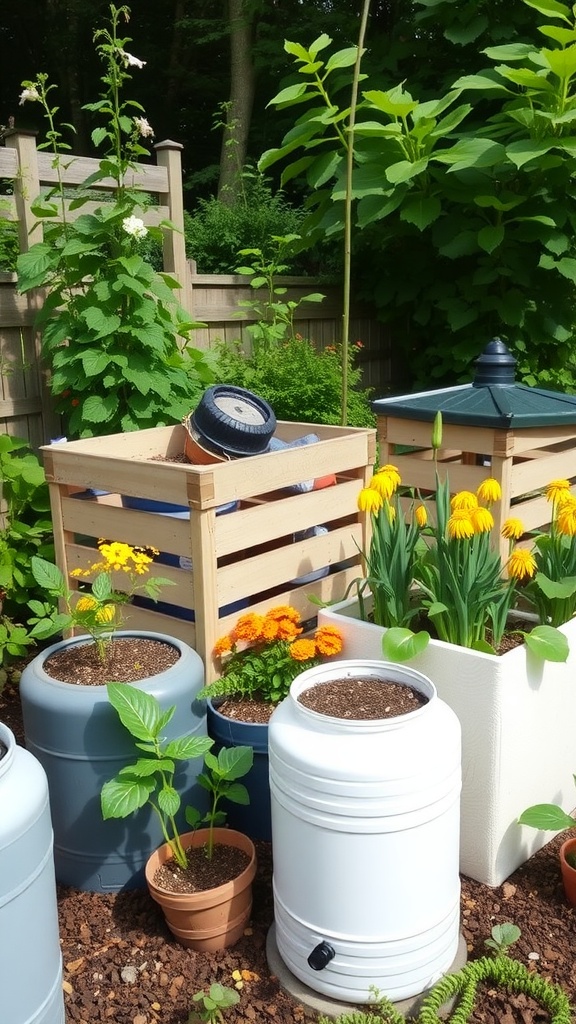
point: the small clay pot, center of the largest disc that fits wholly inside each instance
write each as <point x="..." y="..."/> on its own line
<point x="214" y="918"/>
<point x="568" y="872"/>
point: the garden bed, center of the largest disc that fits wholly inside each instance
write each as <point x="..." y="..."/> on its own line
<point x="122" y="965"/>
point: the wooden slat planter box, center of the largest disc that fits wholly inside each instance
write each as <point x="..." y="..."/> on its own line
<point x="524" y="461"/>
<point x="248" y="555"/>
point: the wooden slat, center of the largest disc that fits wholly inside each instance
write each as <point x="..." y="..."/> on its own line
<point x="75" y="170"/>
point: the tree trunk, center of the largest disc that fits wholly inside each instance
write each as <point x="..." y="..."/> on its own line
<point x="238" y="111"/>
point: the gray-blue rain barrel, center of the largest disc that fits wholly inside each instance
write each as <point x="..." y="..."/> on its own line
<point x="30" y="957"/>
<point x="365" y="838"/>
<point x="77" y="736"/>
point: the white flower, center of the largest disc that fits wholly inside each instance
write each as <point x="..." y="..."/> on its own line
<point x="145" y="129"/>
<point x="131" y="61"/>
<point x="31" y="94"/>
<point x="134" y="226"/>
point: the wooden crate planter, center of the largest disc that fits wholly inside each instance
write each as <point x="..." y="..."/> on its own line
<point x="247" y="555"/>
<point x="523" y="461"/>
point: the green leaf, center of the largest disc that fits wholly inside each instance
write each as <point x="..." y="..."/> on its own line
<point x="404" y="170"/>
<point x="102" y="324"/>
<point x="395" y="102"/>
<point x="238" y="794"/>
<point x="102" y="587"/>
<point x="561" y="62"/>
<point x="490" y="237"/>
<point x="421" y="211"/>
<point x="186" y="748"/>
<point x="548" y="643"/>
<point x="234" y="762"/>
<point x="289" y="94"/>
<point x="169" y="801"/>
<point x="94" y="362"/>
<point x="524" y="150"/>
<point x="99" y="408"/>
<point x="551" y="7"/>
<point x="548" y="817"/>
<point x="138" y="711"/>
<point x="342" y="59"/>
<point x="509" y="51"/>
<point x="121" y="797"/>
<point x="146" y="766"/>
<point x="556" y="588"/>
<point x="47" y="575"/>
<point x="399" y="644"/>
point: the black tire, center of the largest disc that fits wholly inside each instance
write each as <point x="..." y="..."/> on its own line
<point x="234" y="420"/>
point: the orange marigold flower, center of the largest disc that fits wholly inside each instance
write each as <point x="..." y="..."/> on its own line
<point x="248" y="627"/>
<point x="303" y="649"/>
<point x="459" y="525"/>
<point x="482" y="519"/>
<point x="489" y="491"/>
<point x="328" y="640"/>
<point x="288" y="630"/>
<point x="284" y="611"/>
<point x="521" y="564"/>
<point x="512" y="529"/>
<point x="269" y="630"/>
<point x="558" y="490"/>
<point x="223" y="645"/>
<point x="463" y="500"/>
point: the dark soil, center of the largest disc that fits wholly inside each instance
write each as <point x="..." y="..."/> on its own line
<point x="362" y="699"/>
<point x="122" y="966"/>
<point x="125" y="660"/>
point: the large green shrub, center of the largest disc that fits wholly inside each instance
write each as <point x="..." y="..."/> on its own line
<point x="300" y="382"/>
<point x="465" y="204"/>
<point x="216" y="231"/>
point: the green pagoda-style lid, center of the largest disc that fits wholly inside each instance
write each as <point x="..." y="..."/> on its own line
<point x="493" y="399"/>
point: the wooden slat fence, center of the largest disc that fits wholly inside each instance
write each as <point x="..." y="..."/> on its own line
<point x="25" y="407"/>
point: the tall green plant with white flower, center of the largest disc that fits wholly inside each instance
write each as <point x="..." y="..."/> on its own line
<point x="114" y="336"/>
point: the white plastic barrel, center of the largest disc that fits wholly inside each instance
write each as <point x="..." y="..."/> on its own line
<point x="365" y="838"/>
<point x="30" y="957"/>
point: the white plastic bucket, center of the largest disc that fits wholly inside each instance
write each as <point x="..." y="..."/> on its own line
<point x="30" y="957"/>
<point x="365" y="835"/>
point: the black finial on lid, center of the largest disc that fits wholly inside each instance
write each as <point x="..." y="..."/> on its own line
<point x="496" y="365"/>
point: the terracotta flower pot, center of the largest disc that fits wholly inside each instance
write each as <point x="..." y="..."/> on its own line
<point x="568" y="872"/>
<point x="214" y="918"/>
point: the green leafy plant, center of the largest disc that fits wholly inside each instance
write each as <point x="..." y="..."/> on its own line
<point x="26" y="526"/>
<point x="301" y="382"/>
<point x="262" y="655"/>
<point x="110" y="323"/>
<point x="216" y="231"/>
<point x="213" y="1002"/>
<point x="96" y="612"/>
<point x="502" y="936"/>
<point x="274" y="314"/>
<point x="463" y="202"/>
<point x="549" y="817"/>
<point x="492" y="972"/>
<point x="150" y="779"/>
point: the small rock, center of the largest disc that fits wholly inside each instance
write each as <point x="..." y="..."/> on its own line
<point x="129" y="974"/>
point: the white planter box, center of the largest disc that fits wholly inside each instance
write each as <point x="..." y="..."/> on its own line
<point x="518" y="718"/>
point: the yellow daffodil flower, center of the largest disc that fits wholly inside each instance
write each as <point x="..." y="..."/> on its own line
<point x="489" y="491"/>
<point x="521" y="564"/>
<point x="460" y="525"/>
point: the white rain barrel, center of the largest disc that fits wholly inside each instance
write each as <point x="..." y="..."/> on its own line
<point x="365" y="839"/>
<point x="30" y="957"/>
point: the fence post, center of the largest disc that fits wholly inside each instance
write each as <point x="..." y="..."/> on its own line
<point x="26" y="185"/>
<point x="174" y="246"/>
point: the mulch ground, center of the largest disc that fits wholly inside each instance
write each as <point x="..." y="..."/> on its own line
<point x="121" y="964"/>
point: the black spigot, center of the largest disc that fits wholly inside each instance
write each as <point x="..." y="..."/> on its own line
<point x="320" y="956"/>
